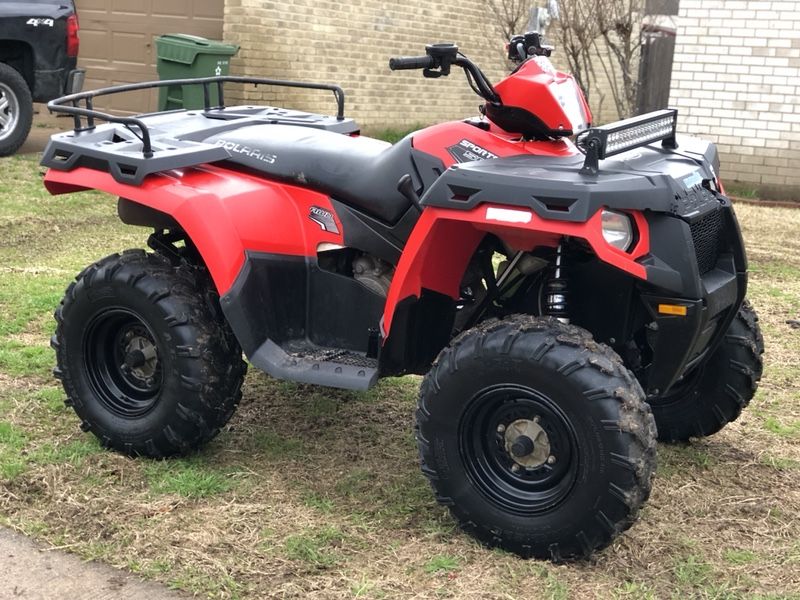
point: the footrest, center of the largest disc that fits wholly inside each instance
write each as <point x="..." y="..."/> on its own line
<point x="304" y="362"/>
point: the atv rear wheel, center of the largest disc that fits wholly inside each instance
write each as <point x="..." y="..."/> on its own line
<point x="537" y="438"/>
<point x="717" y="392"/>
<point x="146" y="363"/>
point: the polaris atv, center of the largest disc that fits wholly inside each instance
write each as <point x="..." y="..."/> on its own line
<point x="556" y="299"/>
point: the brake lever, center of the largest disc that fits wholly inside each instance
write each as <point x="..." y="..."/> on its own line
<point x="431" y="74"/>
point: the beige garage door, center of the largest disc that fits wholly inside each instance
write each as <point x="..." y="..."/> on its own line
<point x="117" y="41"/>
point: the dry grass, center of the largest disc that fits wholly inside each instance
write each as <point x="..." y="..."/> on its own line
<point x="316" y="493"/>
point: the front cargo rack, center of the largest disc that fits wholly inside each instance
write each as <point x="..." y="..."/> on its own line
<point x="132" y="147"/>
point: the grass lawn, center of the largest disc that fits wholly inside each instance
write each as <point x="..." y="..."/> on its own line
<point x="312" y="492"/>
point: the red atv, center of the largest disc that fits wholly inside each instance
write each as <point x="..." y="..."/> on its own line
<point x="550" y="303"/>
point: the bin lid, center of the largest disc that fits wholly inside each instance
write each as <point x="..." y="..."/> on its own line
<point x="184" y="48"/>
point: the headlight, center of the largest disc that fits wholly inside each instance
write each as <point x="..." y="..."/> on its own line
<point x="617" y="229"/>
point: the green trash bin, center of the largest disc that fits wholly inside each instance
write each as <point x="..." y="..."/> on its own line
<point x="183" y="56"/>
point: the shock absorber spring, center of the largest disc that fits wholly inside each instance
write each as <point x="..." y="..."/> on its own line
<point x="556" y="290"/>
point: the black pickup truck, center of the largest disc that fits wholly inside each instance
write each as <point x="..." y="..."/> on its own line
<point x="38" y="62"/>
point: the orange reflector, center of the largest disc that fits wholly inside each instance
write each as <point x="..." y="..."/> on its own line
<point x="672" y="309"/>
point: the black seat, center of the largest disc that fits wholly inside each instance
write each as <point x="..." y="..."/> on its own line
<point x="358" y="171"/>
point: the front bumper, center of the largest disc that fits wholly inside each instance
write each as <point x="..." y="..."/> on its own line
<point x="712" y="287"/>
<point x="681" y="343"/>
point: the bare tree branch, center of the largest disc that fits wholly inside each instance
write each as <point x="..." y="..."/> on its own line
<point x="620" y="24"/>
<point x="575" y="33"/>
<point x="510" y="16"/>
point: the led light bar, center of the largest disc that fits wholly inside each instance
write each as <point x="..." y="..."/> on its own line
<point x="602" y="142"/>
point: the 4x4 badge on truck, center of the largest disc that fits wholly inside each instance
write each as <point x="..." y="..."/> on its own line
<point x="45" y="22"/>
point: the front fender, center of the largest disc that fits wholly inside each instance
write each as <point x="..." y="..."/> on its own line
<point x="443" y="241"/>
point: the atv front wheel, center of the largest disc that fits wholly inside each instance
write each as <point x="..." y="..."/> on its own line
<point x="146" y="364"/>
<point x="716" y="393"/>
<point x="537" y="438"/>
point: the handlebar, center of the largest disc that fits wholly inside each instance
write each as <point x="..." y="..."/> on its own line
<point x="411" y="62"/>
<point x="437" y="63"/>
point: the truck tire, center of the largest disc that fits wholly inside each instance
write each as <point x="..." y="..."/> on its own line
<point x="146" y="360"/>
<point x="536" y="437"/>
<point x="16" y="110"/>
<point x="716" y="393"/>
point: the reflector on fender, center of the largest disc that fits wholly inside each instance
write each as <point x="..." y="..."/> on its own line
<point x="672" y="309"/>
<point x="615" y="138"/>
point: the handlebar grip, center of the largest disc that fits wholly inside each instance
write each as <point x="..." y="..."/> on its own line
<point x="411" y="62"/>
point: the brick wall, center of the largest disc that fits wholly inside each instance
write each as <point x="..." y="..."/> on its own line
<point x="736" y="80"/>
<point x="350" y="43"/>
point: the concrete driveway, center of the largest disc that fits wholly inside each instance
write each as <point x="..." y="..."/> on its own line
<point x="34" y="572"/>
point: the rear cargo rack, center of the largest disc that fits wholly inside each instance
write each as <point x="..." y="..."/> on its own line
<point x="70" y="105"/>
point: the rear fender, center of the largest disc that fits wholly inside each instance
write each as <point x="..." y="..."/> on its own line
<point x="443" y="241"/>
<point x="223" y="212"/>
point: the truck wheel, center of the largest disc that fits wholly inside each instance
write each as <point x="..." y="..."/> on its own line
<point x="16" y="110"/>
<point x="536" y="437"/>
<point x="146" y="361"/>
<point x="715" y="394"/>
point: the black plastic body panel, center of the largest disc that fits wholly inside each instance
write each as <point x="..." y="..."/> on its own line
<point x="650" y="178"/>
<point x="429" y="169"/>
<point x="680" y="343"/>
<point x="672" y="264"/>
<point x="133" y="213"/>
<point x="284" y="309"/>
<point x="287" y="298"/>
<point x="421" y="327"/>
<point x="523" y="122"/>
<point x="603" y="300"/>
<point x="341" y="311"/>
<point x="250" y="305"/>
<point x="373" y="236"/>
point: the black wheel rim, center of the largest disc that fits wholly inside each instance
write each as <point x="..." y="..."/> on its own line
<point x="494" y="470"/>
<point x="123" y="362"/>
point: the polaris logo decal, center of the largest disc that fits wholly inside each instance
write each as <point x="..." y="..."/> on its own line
<point x="236" y="148"/>
<point x="323" y="218"/>
<point x="466" y="151"/>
